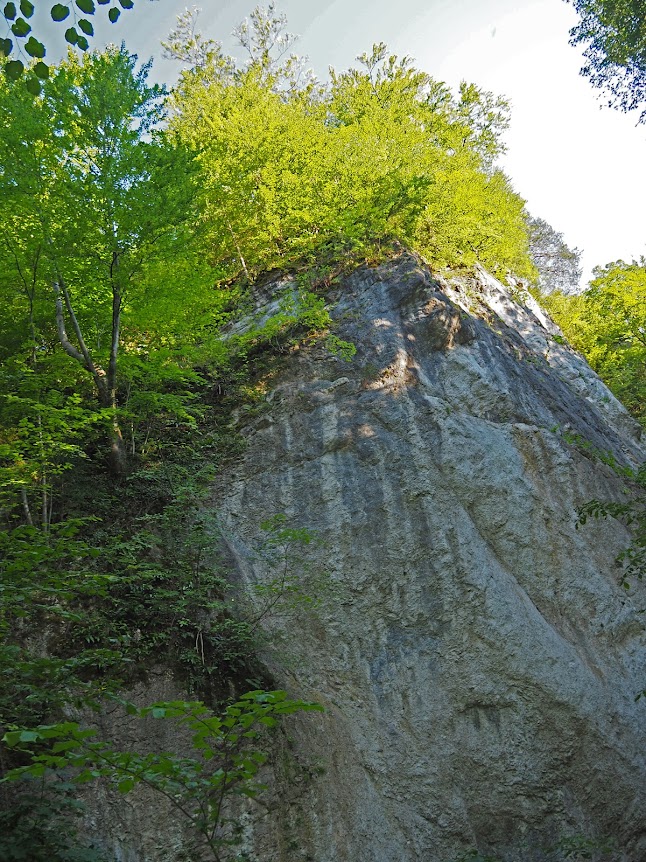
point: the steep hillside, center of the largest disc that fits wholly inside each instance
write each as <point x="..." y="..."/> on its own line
<point x="396" y="512"/>
<point x="478" y="661"/>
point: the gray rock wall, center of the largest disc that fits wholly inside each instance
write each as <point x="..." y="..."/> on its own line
<point x="479" y="664"/>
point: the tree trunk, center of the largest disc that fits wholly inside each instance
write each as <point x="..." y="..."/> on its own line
<point x="106" y="384"/>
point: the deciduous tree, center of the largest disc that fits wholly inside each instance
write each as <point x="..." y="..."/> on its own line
<point x="95" y="195"/>
<point x="557" y="264"/>
<point x="613" y="33"/>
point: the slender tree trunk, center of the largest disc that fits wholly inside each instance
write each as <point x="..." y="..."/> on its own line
<point x="25" y="507"/>
<point x="106" y="384"/>
<point x="44" y="515"/>
<point x="118" y="450"/>
<point x="238" y="249"/>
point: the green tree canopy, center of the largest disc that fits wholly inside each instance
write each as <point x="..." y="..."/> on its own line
<point x="92" y="196"/>
<point x="607" y="324"/>
<point x="613" y="33"/>
<point x="291" y="168"/>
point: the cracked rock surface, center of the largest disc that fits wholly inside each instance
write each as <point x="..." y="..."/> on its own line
<point x="477" y="660"/>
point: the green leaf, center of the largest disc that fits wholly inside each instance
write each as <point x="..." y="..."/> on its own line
<point x="82" y="43"/>
<point x="41" y="70"/>
<point x="6" y="46"/>
<point x="126" y="785"/>
<point x="20" y="28"/>
<point x="28" y="736"/>
<point x="35" y="48"/>
<point x="59" y="12"/>
<point x="10" y="11"/>
<point x="33" y="85"/>
<point x="71" y="36"/>
<point x="26" y="8"/>
<point x="126" y="4"/>
<point x="86" y="26"/>
<point x="86" y="6"/>
<point x="14" y="69"/>
<point x="65" y="745"/>
<point x="158" y="712"/>
<point x="113" y="14"/>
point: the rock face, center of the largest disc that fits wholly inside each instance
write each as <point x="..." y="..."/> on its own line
<point x="478" y="663"/>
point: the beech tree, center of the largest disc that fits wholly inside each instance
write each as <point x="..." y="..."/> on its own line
<point x="613" y="33"/>
<point x="607" y="324"/>
<point x="291" y="169"/>
<point x="98" y="195"/>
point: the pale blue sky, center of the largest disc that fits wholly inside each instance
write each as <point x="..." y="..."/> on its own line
<point x="578" y="165"/>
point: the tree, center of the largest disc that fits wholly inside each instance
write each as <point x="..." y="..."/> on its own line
<point x="607" y="324"/>
<point x="189" y="47"/>
<point x="98" y="195"/>
<point x="292" y="170"/>
<point x="614" y="35"/>
<point x="557" y="264"/>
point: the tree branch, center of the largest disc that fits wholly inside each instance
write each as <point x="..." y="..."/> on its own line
<point x="83" y="355"/>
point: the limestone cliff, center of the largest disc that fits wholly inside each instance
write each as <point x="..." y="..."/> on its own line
<point x="479" y="662"/>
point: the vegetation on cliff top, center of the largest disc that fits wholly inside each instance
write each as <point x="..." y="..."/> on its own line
<point x="134" y="222"/>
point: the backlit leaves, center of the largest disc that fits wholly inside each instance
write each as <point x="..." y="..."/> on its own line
<point x="41" y="70"/>
<point x="33" y="85"/>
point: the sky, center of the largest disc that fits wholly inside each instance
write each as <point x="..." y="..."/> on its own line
<point x="579" y="165"/>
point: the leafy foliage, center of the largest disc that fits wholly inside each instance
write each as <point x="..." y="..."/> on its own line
<point x="558" y="265"/>
<point x="614" y="35"/>
<point x="293" y="171"/>
<point x="228" y="759"/>
<point x="35" y="48"/>
<point x="98" y="197"/>
<point x="607" y="324"/>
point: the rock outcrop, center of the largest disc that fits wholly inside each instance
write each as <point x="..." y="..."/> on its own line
<point x="478" y="661"/>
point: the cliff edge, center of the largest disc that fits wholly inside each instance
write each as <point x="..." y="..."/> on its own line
<point x="478" y="661"/>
